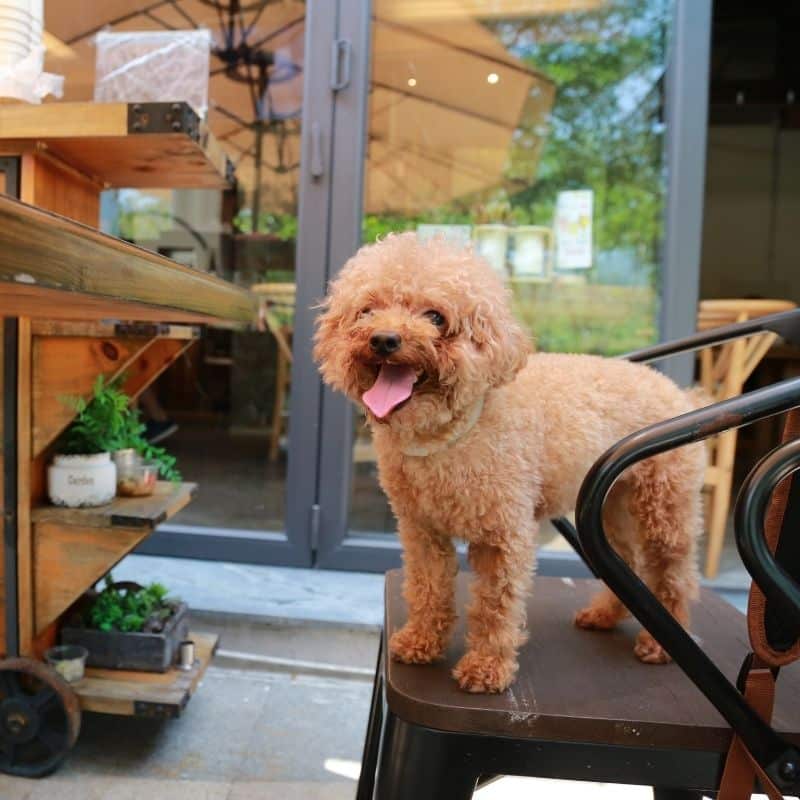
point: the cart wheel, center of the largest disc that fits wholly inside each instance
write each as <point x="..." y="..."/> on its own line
<point x="40" y="718"/>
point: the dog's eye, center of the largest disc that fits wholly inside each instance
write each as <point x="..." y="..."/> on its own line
<point x="436" y="318"/>
<point x="365" y="312"/>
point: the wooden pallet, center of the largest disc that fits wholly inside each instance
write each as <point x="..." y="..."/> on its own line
<point x="146" y="694"/>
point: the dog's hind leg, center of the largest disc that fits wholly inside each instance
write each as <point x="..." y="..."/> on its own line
<point x="430" y="568"/>
<point x="503" y="568"/>
<point x="667" y="504"/>
<point x="605" y="609"/>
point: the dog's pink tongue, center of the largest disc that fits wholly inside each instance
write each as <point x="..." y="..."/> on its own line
<point x="393" y="385"/>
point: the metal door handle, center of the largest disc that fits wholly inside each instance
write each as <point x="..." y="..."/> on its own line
<point x="341" y="53"/>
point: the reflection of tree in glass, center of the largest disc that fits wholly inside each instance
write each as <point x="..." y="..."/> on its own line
<point x="605" y="131"/>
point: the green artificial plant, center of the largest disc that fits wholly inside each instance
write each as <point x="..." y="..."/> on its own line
<point x="130" y="610"/>
<point x="107" y="422"/>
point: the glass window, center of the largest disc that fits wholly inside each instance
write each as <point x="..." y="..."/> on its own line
<point x="533" y="129"/>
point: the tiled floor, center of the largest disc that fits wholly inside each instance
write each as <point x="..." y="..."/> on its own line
<point x="242" y="489"/>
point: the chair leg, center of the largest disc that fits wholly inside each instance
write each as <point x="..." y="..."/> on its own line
<point x="676" y="794"/>
<point x="281" y="380"/>
<point x="418" y="764"/>
<point x="720" y="501"/>
<point x="369" y="761"/>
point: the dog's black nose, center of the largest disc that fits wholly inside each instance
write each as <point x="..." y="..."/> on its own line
<point x="385" y="342"/>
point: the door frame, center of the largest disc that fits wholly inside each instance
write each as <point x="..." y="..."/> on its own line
<point x="686" y="110"/>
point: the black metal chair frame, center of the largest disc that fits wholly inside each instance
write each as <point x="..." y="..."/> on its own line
<point x="424" y="764"/>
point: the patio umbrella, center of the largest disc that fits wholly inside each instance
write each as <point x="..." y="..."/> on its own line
<point x="443" y="108"/>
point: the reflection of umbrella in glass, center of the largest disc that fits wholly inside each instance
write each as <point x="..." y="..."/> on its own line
<point x="443" y="110"/>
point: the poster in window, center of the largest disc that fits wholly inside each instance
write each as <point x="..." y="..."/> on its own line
<point x="573" y="226"/>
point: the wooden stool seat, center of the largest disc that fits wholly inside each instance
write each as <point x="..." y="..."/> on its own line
<point x="582" y="707"/>
<point x="581" y="685"/>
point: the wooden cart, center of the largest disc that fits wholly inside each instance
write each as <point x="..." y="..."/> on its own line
<point x="76" y="303"/>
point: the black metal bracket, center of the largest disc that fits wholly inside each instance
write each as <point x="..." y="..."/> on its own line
<point x="163" y="118"/>
<point x="10" y="355"/>
<point x="150" y="710"/>
<point x="776" y="756"/>
<point x="9" y="167"/>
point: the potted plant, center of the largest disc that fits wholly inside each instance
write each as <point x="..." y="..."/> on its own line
<point x="83" y="472"/>
<point x="128" y="626"/>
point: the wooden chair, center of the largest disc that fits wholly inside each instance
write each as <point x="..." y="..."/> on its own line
<point x="277" y="313"/>
<point x="723" y="372"/>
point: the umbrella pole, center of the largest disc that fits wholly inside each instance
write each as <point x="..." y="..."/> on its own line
<point x="259" y="131"/>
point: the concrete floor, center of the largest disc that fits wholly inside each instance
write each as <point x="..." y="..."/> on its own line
<point x="251" y="732"/>
<point x="281" y="713"/>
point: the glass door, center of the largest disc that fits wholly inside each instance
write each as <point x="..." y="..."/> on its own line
<point x="539" y="132"/>
<point x="225" y="406"/>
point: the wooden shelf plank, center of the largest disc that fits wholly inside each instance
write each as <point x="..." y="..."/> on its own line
<point x="74" y="547"/>
<point x="108" y="329"/>
<point x="123" y="512"/>
<point x="146" y="694"/>
<point x="160" y="145"/>
<point x="55" y="268"/>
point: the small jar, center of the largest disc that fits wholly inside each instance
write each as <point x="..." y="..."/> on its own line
<point x="137" y="480"/>
<point x="69" y="661"/>
<point x="125" y="458"/>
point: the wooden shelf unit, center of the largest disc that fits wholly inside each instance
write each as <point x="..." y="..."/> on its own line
<point x="74" y="547"/>
<point x="77" y="304"/>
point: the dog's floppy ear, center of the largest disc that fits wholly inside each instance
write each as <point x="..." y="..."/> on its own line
<point x="501" y="339"/>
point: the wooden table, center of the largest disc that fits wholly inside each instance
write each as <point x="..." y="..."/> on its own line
<point x="77" y="303"/>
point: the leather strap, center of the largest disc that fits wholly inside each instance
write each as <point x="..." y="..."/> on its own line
<point x="741" y="769"/>
<point x="765" y="646"/>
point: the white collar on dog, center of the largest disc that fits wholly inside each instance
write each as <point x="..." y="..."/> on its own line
<point x="436" y="447"/>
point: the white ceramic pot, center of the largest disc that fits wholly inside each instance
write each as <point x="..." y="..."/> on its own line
<point x="76" y="481"/>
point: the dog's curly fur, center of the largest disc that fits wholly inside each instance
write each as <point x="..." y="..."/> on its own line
<point x="494" y="439"/>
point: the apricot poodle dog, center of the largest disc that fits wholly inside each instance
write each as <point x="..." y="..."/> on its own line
<point x="479" y="440"/>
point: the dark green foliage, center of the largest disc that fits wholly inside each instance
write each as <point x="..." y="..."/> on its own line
<point x="107" y="422"/>
<point x="100" y="424"/>
<point x="130" y="611"/>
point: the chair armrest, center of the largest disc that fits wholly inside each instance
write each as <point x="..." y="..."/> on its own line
<point x="786" y="324"/>
<point x="763" y="743"/>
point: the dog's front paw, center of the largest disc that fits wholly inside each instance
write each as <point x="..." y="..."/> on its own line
<point x="596" y="618"/>
<point x="480" y="673"/>
<point x="414" y="645"/>
<point x="649" y="651"/>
